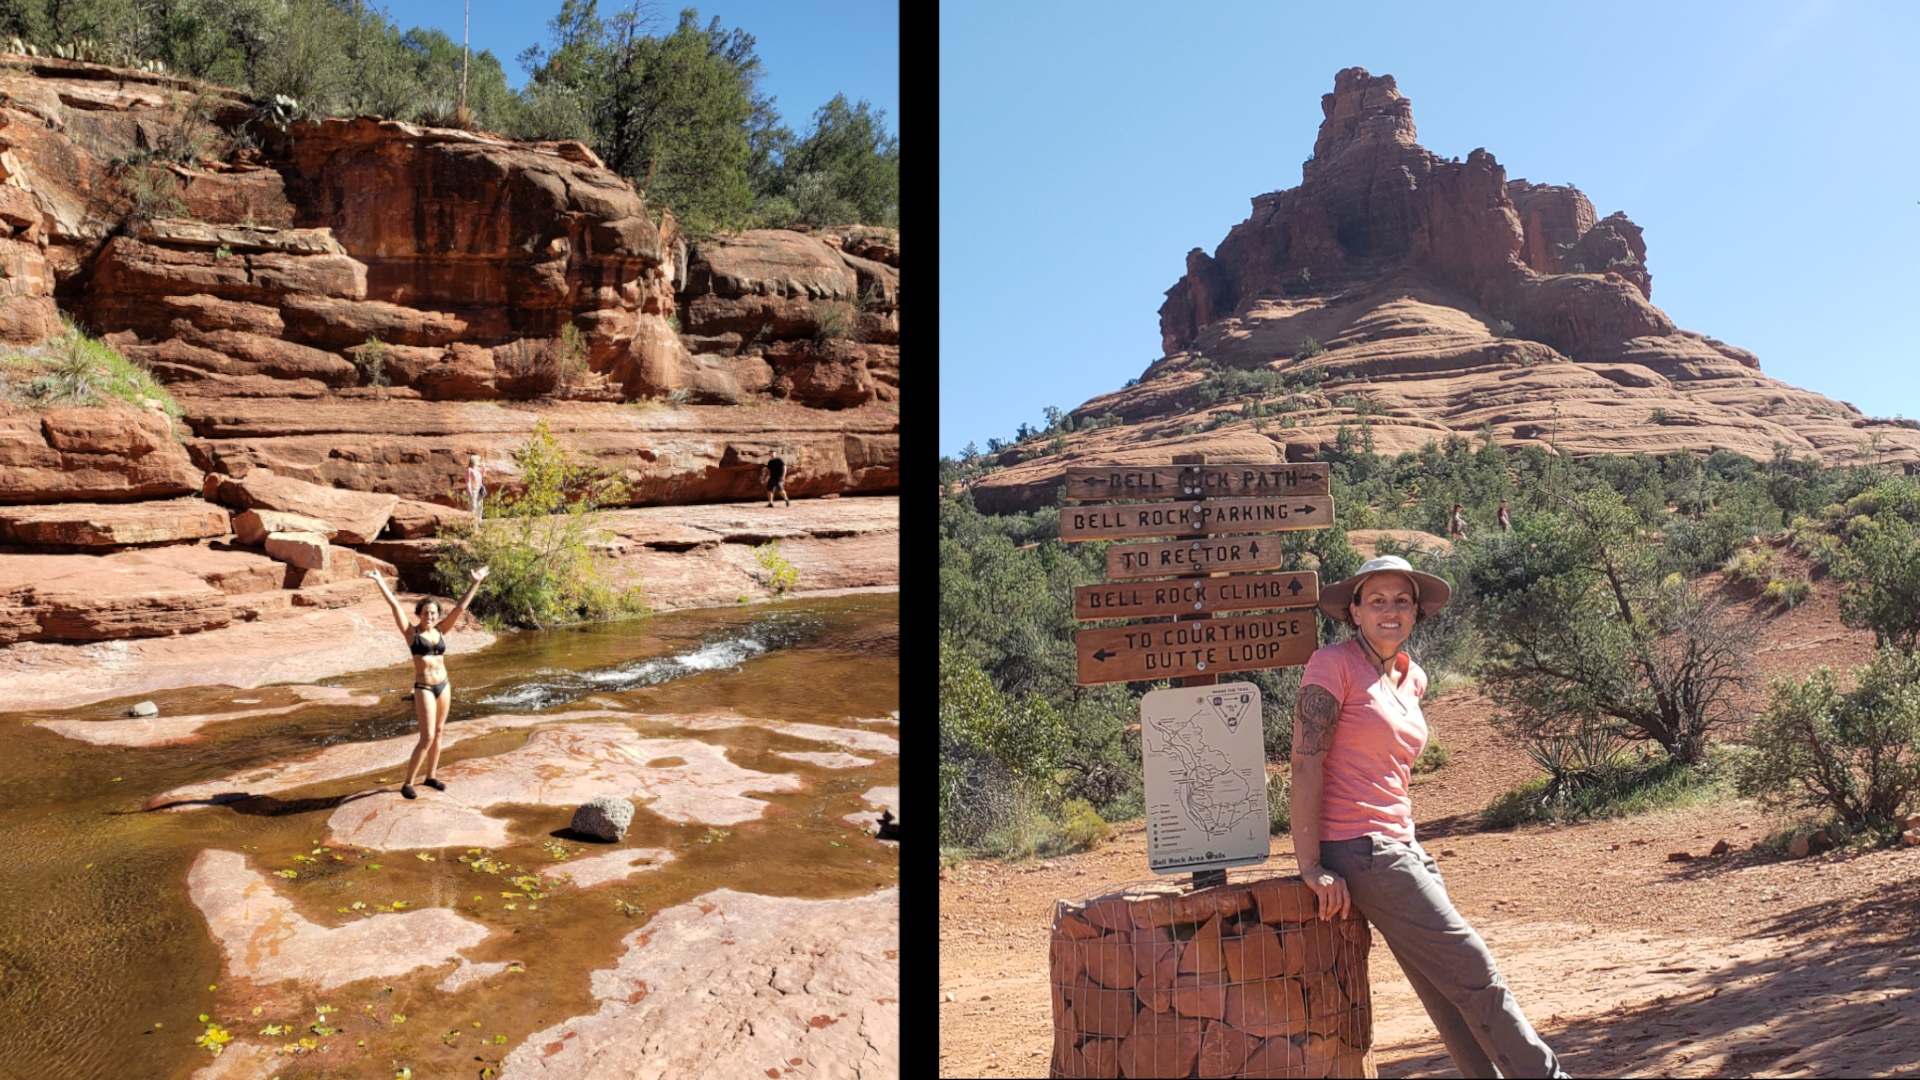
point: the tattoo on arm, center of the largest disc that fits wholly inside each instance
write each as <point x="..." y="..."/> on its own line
<point x="1314" y="717"/>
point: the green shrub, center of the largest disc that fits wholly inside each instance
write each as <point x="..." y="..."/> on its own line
<point x="1433" y="758"/>
<point x="679" y="397"/>
<point x="1659" y="417"/>
<point x="1879" y="563"/>
<point x="153" y="190"/>
<point x="72" y="368"/>
<point x="1855" y="754"/>
<point x="834" y="319"/>
<point x="780" y="573"/>
<point x="1752" y="565"/>
<point x="1662" y="784"/>
<point x="371" y="359"/>
<point x="1788" y="592"/>
<point x="1502" y="328"/>
<point x="1309" y="349"/>
<point x="1081" y="826"/>
<point x="537" y="542"/>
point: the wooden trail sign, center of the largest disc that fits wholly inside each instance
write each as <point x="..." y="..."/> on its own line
<point x="1195" y="481"/>
<point x="1196" y="518"/>
<point x="1196" y="596"/>
<point x="1174" y="650"/>
<point x="1201" y="555"/>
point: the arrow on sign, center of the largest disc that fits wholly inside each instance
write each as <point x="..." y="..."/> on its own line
<point x="1294" y="586"/>
<point x="1254" y="548"/>
<point x="1103" y="655"/>
<point x="1306" y="509"/>
<point x="1095" y="480"/>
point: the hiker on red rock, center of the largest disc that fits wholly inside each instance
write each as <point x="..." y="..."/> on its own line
<point x="1458" y="526"/>
<point x="775" y="471"/>
<point x="476" y="483"/>
<point x="1506" y="523"/>
<point x="432" y="692"/>
<point x="1356" y="732"/>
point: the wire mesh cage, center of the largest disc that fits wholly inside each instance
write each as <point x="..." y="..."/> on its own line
<point x="1237" y="980"/>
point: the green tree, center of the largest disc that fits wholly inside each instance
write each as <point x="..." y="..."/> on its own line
<point x="1583" y="633"/>
<point x="846" y="170"/>
<point x="1855" y="754"/>
<point x="1880" y="564"/>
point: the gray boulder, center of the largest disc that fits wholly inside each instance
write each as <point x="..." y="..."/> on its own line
<point x="145" y="708"/>
<point x="604" y="816"/>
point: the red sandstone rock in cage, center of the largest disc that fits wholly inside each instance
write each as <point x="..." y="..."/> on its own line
<point x="1162" y="1044"/>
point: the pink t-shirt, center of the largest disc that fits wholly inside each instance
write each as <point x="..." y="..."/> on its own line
<point x="1381" y="732"/>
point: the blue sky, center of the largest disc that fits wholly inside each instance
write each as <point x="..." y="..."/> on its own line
<point x="1766" y="147"/>
<point x="810" y="51"/>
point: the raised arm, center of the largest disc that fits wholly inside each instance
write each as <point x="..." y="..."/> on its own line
<point x="1315" y="715"/>
<point x="453" y="616"/>
<point x="399" y="613"/>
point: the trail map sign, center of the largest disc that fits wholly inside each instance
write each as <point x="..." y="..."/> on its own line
<point x="1201" y="555"/>
<point x="1206" y="785"/>
<point x="1275" y="514"/>
<point x="1196" y="596"/>
<point x="1173" y="650"/>
<point x="1194" y="481"/>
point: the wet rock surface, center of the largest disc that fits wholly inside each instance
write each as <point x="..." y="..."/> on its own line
<point x="588" y="871"/>
<point x="831" y="965"/>
<point x="886" y="798"/>
<point x="561" y="765"/>
<point x="173" y="730"/>
<point x="265" y="940"/>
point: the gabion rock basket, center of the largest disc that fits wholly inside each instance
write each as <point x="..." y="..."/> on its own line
<point x="1241" y="979"/>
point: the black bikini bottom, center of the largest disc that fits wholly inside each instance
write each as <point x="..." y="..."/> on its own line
<point x="436" y="690"/>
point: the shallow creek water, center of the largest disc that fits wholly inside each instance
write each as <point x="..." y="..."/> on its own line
<point x="106" y="967"/>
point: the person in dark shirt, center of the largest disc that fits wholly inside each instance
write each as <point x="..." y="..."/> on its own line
<point x="1506" y="523"/>
<point x="776" y="470"/>
<point x="1458" y="526"/>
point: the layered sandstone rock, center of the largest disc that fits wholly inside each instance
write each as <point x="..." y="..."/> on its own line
<point x="1448" y="298"/>
<point x="354" y="517"/>
<point x="112" y="524"/>
<point x="90" y="454"/>
<point x="811" y="983"/>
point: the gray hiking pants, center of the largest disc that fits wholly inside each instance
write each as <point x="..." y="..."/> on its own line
<point x="1397" y="887"/>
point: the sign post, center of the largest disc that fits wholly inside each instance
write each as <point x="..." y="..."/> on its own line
<point x="1200" y="786"/>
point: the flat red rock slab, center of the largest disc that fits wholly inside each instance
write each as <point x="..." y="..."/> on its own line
<point x="563" y="765"/>
<point x="880" y="796"/>
<point x="108" y="524"/>
<point x="600" y="869"/>
<point x="339" y="762"/>
<point x="872" y="742"/>
<point x="689" y="995"/>
<point x="172" y="730"/>
<point x="828" y="761"/>
<point x="265" y="940"/>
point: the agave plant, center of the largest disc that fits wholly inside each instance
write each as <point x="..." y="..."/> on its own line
<point x="1577" y="761"/>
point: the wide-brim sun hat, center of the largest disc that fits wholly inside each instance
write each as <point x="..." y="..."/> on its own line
<point x="1433" y="592"/>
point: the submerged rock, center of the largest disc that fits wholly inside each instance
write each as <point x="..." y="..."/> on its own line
<point x="691" y="994"/>
<point x="601" y="869"/>
<point x="604" y="816"/>
<point x="173" y="730"/>
<point x="887" y="798"/>
<point x="265" y="940"/>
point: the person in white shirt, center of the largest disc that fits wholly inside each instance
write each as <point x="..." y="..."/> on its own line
<point x="476" y="483"/>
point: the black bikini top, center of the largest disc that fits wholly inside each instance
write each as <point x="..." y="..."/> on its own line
<point x="423" y="647"/>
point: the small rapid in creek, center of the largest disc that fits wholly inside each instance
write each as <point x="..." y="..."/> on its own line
<point x="241" y="872"/>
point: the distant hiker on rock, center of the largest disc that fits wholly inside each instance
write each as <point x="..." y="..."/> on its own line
<point x="1506" y="523"/>
<point x="1357" y="729"/>
<point x="476" y="483"/>
<point x="775" y="471"/>
<point x="432" y="693"/>
<point x="1458" y="526"/>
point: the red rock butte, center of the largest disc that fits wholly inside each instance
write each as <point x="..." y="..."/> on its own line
<point x="1448" y="299"/>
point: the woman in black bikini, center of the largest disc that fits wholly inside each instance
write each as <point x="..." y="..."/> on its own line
<point x="432" y="695"/>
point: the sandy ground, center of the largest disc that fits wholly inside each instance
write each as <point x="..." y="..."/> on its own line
<point x="1746" y="964"/>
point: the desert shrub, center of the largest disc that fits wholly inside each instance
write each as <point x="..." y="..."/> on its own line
<point x="153" y="190"/>
<point x="1659" y="416"/>
<point x="1630" y="789"/>
<point x="1879" y="563"/>
<point x="1752" y="565"/>
<point x="1279" y="814"/>
<point x="679" y="397"/>
<point x="1788" y="592"/>
<point x="371" y="359"/>
<point x="834" y="319"/>
<point x="1309" y="349"/>
<point x="996" y="753"/>
<point x="1856" y="754"/>
<point x="1081" y="826"/>
<point x="780" y="574"/>
<point x="1583" y="631"/>
<point x="72" y="368"/>
<point x="537" y="541"/>
<point x="1434" y="757"/>
<point x="1502" y="328"/>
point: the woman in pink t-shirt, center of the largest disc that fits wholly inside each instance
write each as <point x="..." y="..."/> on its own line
<point x="1357" y="729"/>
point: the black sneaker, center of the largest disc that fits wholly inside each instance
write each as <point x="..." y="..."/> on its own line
<point x="407" y="790"/>
<point x="434" y="784"/>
